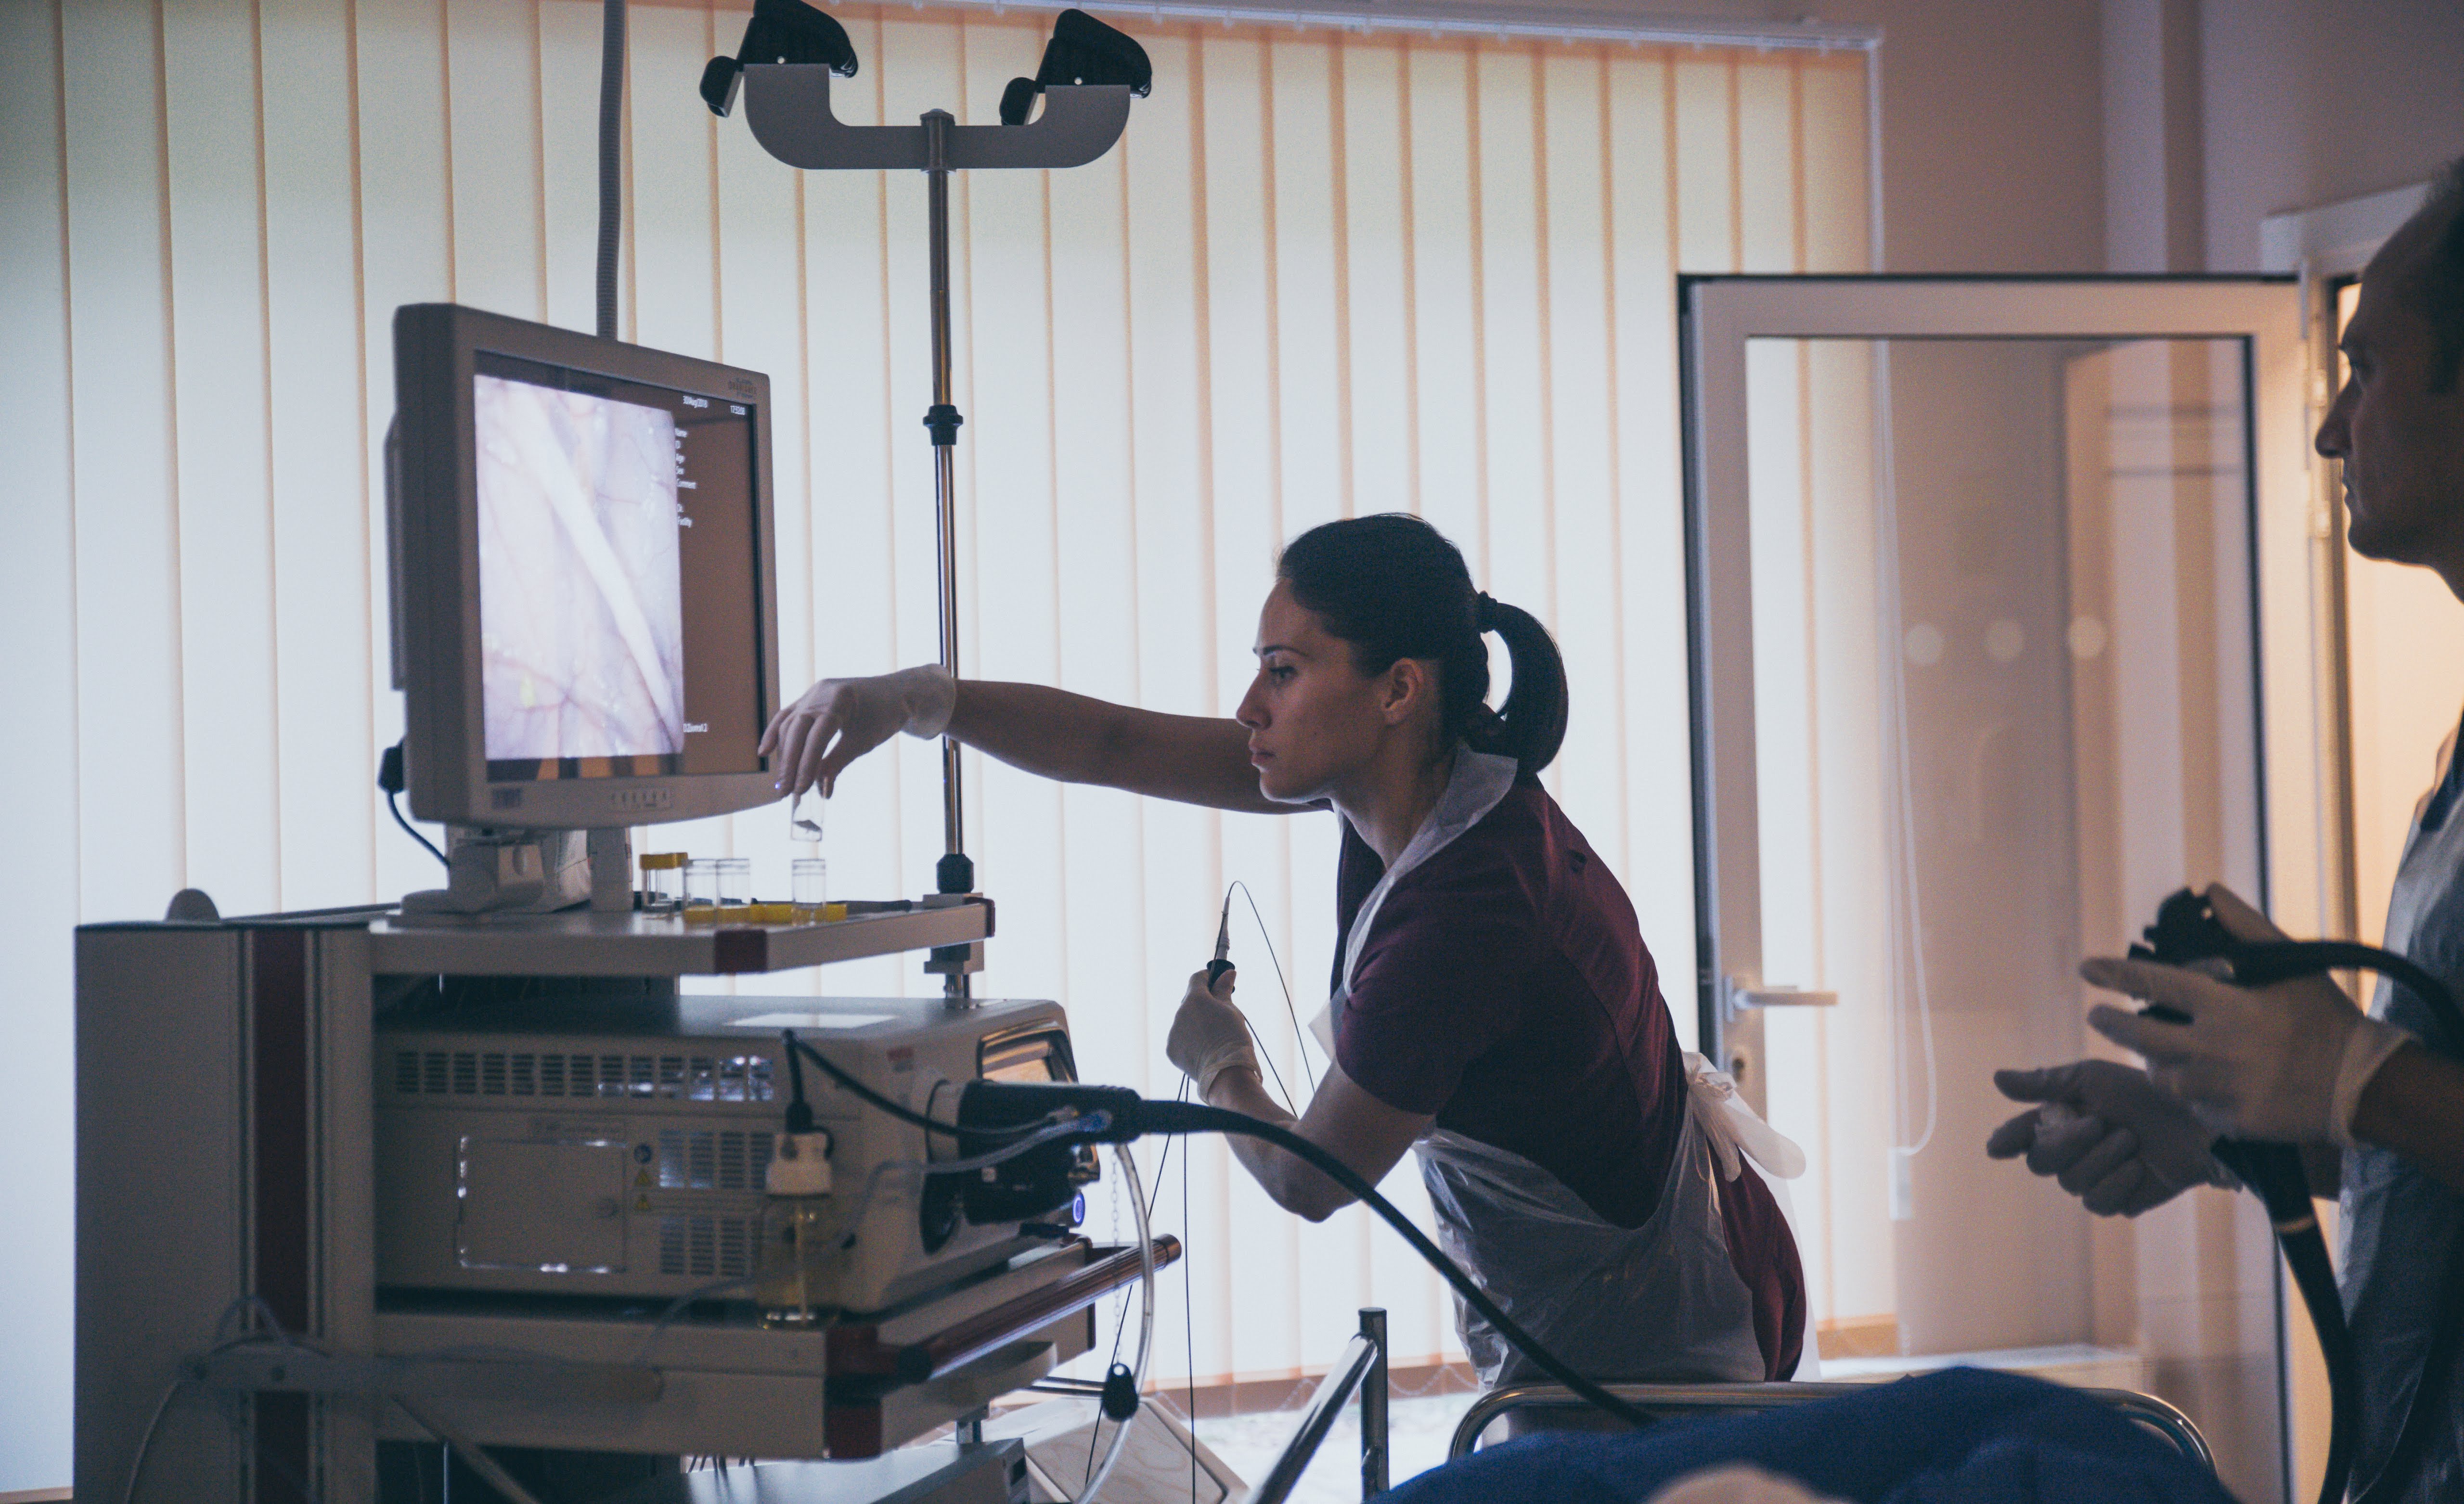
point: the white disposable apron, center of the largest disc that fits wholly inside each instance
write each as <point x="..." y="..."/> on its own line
<point x="1659" y="1302"/>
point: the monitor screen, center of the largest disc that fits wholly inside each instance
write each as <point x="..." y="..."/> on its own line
<point x="616" y="597"/>
<point x="584" y="587"/>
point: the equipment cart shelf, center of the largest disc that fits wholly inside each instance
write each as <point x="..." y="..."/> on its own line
<point x="584" y="943"/>
<point x="226" y="1165"/>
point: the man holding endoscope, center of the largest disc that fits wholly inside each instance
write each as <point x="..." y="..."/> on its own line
<point x="1494" y="1006"/>
<point x="2380" y="1118"/>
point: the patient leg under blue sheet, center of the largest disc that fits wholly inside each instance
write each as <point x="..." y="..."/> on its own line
<point x="1963" y="1434"/>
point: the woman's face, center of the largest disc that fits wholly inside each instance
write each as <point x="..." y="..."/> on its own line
<point x="1314" y="719"/>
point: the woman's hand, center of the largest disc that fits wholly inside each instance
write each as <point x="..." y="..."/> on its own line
<point x="1211" y="1042"/>
<point x="1209" y="1037"/>
<point x="860" y="714"/>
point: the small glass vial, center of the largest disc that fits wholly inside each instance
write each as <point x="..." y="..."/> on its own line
<point x="809" y="880"/>
<point x="663" y="881"/>
<point x="701" y="890"/>
<point x="798" y="1233"/>
<point x="735" y="879"/>
<point x="802" y="826"/>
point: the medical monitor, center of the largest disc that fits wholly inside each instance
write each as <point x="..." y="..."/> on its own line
<point x="584" y="591"/>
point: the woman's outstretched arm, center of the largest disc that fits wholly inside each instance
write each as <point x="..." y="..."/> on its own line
<point x="1072" y="738"/>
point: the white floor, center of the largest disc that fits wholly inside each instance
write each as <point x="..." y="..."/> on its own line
<point x="1417" y="1431"/>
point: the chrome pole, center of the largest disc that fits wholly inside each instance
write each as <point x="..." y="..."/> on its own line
<point x="955" y="873"/>
<point x="943" y="420"/>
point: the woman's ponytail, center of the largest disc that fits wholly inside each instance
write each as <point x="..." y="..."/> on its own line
<point x="1393" y="587"/>
<point x="1530" y="726"/>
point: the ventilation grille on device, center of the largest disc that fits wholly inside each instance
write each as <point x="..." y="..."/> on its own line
<point x="706" y="1248"/>
<point x="680" y="1078"/>
<point x="704" y="1159"/>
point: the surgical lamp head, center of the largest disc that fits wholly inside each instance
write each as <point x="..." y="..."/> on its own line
<point x="780" y="32"/>
<point x="1082" y="51"/>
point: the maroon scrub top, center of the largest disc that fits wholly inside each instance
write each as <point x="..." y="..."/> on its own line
<point x="1505" y="988"/>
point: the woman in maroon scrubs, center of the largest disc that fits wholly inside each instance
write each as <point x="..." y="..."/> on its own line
<point x="1494" y="1009"/>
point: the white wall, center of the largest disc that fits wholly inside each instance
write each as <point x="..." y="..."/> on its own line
<point x="2308" y="102"/>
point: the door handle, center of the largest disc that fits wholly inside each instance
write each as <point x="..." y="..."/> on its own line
<point x="1741" y="996"/>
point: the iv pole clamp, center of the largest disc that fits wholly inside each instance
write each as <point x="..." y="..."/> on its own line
<point x="1085" y="79"/>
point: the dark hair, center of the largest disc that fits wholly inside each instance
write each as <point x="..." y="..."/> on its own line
<point x="1393" y="587"/>
<point x="2434" y="284"/>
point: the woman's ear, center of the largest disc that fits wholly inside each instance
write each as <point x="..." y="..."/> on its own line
<point x="1404" y="688"/>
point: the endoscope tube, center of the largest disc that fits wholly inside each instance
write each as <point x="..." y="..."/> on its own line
<point x="2187" y="932"/>
<point x="1065" y="1128"/>
<point x="904" y="1114"/>
<point x="1186" y="1117"/>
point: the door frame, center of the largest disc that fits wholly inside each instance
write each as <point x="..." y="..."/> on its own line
<point x="1717" y="315"/>
<point x="2292" y="552"/>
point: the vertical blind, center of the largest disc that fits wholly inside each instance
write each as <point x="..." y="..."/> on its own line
<point x="1324" y="274"/>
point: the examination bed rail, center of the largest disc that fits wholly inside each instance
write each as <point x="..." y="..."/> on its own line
<point x="1361" y="1369"/>
<point x="1673" y="1400"/>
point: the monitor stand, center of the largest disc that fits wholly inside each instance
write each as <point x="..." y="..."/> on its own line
<point x="493" y="871"/>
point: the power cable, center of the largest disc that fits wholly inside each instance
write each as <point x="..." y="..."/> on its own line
<point x="390" y="778"/>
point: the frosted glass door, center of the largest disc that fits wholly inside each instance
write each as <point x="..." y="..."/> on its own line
<point x="1977" y="681"/>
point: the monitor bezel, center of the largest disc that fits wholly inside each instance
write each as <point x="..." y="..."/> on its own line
<point x="434" y="567"/>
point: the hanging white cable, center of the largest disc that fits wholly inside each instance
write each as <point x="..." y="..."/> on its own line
<point x="1909" y="882"/>
<point x="1129" y="1168"/>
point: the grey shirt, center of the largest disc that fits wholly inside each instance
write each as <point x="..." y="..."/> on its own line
<point x="2401" y="1226"/>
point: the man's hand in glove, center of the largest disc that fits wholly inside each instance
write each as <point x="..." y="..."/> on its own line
<point x="2108" y="1134"/>
<point x="2285" y="1062"/>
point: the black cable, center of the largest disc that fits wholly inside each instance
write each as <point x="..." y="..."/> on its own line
<point x="1183" y="1118"/>
<point x="2262" y="962"/>
<point x="902" y="1113"/>
<point x="390" y="779"/>
<point x="611" y="157"/>
<point x="2275" y="1174"/>
<point x="413" y="831"/>
<point x="799" y="1111"/>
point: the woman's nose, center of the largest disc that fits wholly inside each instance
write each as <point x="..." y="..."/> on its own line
<point x="1251" y="713"/>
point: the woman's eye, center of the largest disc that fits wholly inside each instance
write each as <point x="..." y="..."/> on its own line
<point x="1279" y="673"/>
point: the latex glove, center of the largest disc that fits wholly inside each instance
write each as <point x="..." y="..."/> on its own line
<point x="2109" y="1135"/>
<point x="860" y="715"/>
<point x="1209" y="1037"/>
<point x="2286" y="1062"/>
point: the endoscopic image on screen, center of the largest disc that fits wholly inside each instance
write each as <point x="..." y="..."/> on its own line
<point x="580" y="595"/>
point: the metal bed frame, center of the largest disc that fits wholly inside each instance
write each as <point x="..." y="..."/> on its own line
<point x="1361" y="1367"/>
<point x="1672" y="1400"/>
